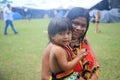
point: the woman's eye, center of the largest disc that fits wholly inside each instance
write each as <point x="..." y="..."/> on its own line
<point x="83" y="26"/>
<point x="76" y="23"/>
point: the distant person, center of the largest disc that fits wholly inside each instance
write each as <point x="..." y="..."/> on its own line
<point x="8" y="18"/>
<point x="27" y="13"/>
<point x="1" y="13"/>
<point x="96" y="20"/>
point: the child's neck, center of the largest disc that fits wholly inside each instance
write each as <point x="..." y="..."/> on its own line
<point x="59" y="44"/>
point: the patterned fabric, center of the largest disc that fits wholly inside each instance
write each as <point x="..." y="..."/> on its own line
<point x="89" y="57"/>
<point x="84" y="66"/>
<point x="72" y="76"/>
<point x="78" y="68"/>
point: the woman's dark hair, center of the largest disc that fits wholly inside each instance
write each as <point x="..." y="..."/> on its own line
<point x="58" y="24"/>
<point x="79" y="12"/>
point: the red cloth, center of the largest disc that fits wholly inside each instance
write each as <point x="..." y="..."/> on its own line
<point x="78" y="68"/>
<point x="89" y="57"/>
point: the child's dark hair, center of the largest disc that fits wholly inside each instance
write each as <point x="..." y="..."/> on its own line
<point x="58" y="24"/>
<point x="79" y="12"/>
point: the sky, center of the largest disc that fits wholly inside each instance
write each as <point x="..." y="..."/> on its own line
<point x="53" y="4"/>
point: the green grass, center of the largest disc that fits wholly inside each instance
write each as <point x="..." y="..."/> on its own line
<point x="20" y="55"/>
<point x="107" y="47"/>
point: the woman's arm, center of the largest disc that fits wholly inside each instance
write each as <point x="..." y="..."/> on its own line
<point x="96" y="64"/>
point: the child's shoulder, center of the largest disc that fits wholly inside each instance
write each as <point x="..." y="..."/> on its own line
<point x="58" y="49"/>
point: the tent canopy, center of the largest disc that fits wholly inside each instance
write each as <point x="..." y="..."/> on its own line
<point x="16" y="16"/>
<point x="54" y="4"/>
<point x="107" y="16"/>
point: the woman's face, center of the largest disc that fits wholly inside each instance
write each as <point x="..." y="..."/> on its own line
<point x="79" y="27"/>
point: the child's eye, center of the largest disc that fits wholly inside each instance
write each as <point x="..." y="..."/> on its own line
<point x="69" y="32"/>
<point x="60" y="33"/>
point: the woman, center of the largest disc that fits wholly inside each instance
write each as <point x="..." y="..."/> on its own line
<point x="88" y="67"/>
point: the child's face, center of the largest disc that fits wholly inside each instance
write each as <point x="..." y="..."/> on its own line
<point x="79" y="27"/>
<point x="62" y="38"/>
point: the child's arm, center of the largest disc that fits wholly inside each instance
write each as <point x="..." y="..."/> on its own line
<point x="62" y="58"/>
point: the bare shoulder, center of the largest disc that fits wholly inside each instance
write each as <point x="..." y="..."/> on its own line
<point x="47" y="49"/>
<point x="45" y="62"/>
<point x="57" y="49"/>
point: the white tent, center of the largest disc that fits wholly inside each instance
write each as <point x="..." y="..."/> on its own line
<point x="55" y="4"/>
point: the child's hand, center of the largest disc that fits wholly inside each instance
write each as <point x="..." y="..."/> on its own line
<point x="83" y="53"/>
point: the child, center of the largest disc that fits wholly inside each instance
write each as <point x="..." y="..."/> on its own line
<point x="60" y="58"/>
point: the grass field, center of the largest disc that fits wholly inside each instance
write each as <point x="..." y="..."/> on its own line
<point x="20" y="55"/>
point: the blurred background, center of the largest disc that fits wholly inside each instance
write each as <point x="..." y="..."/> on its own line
<point x="109" y="9"/>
